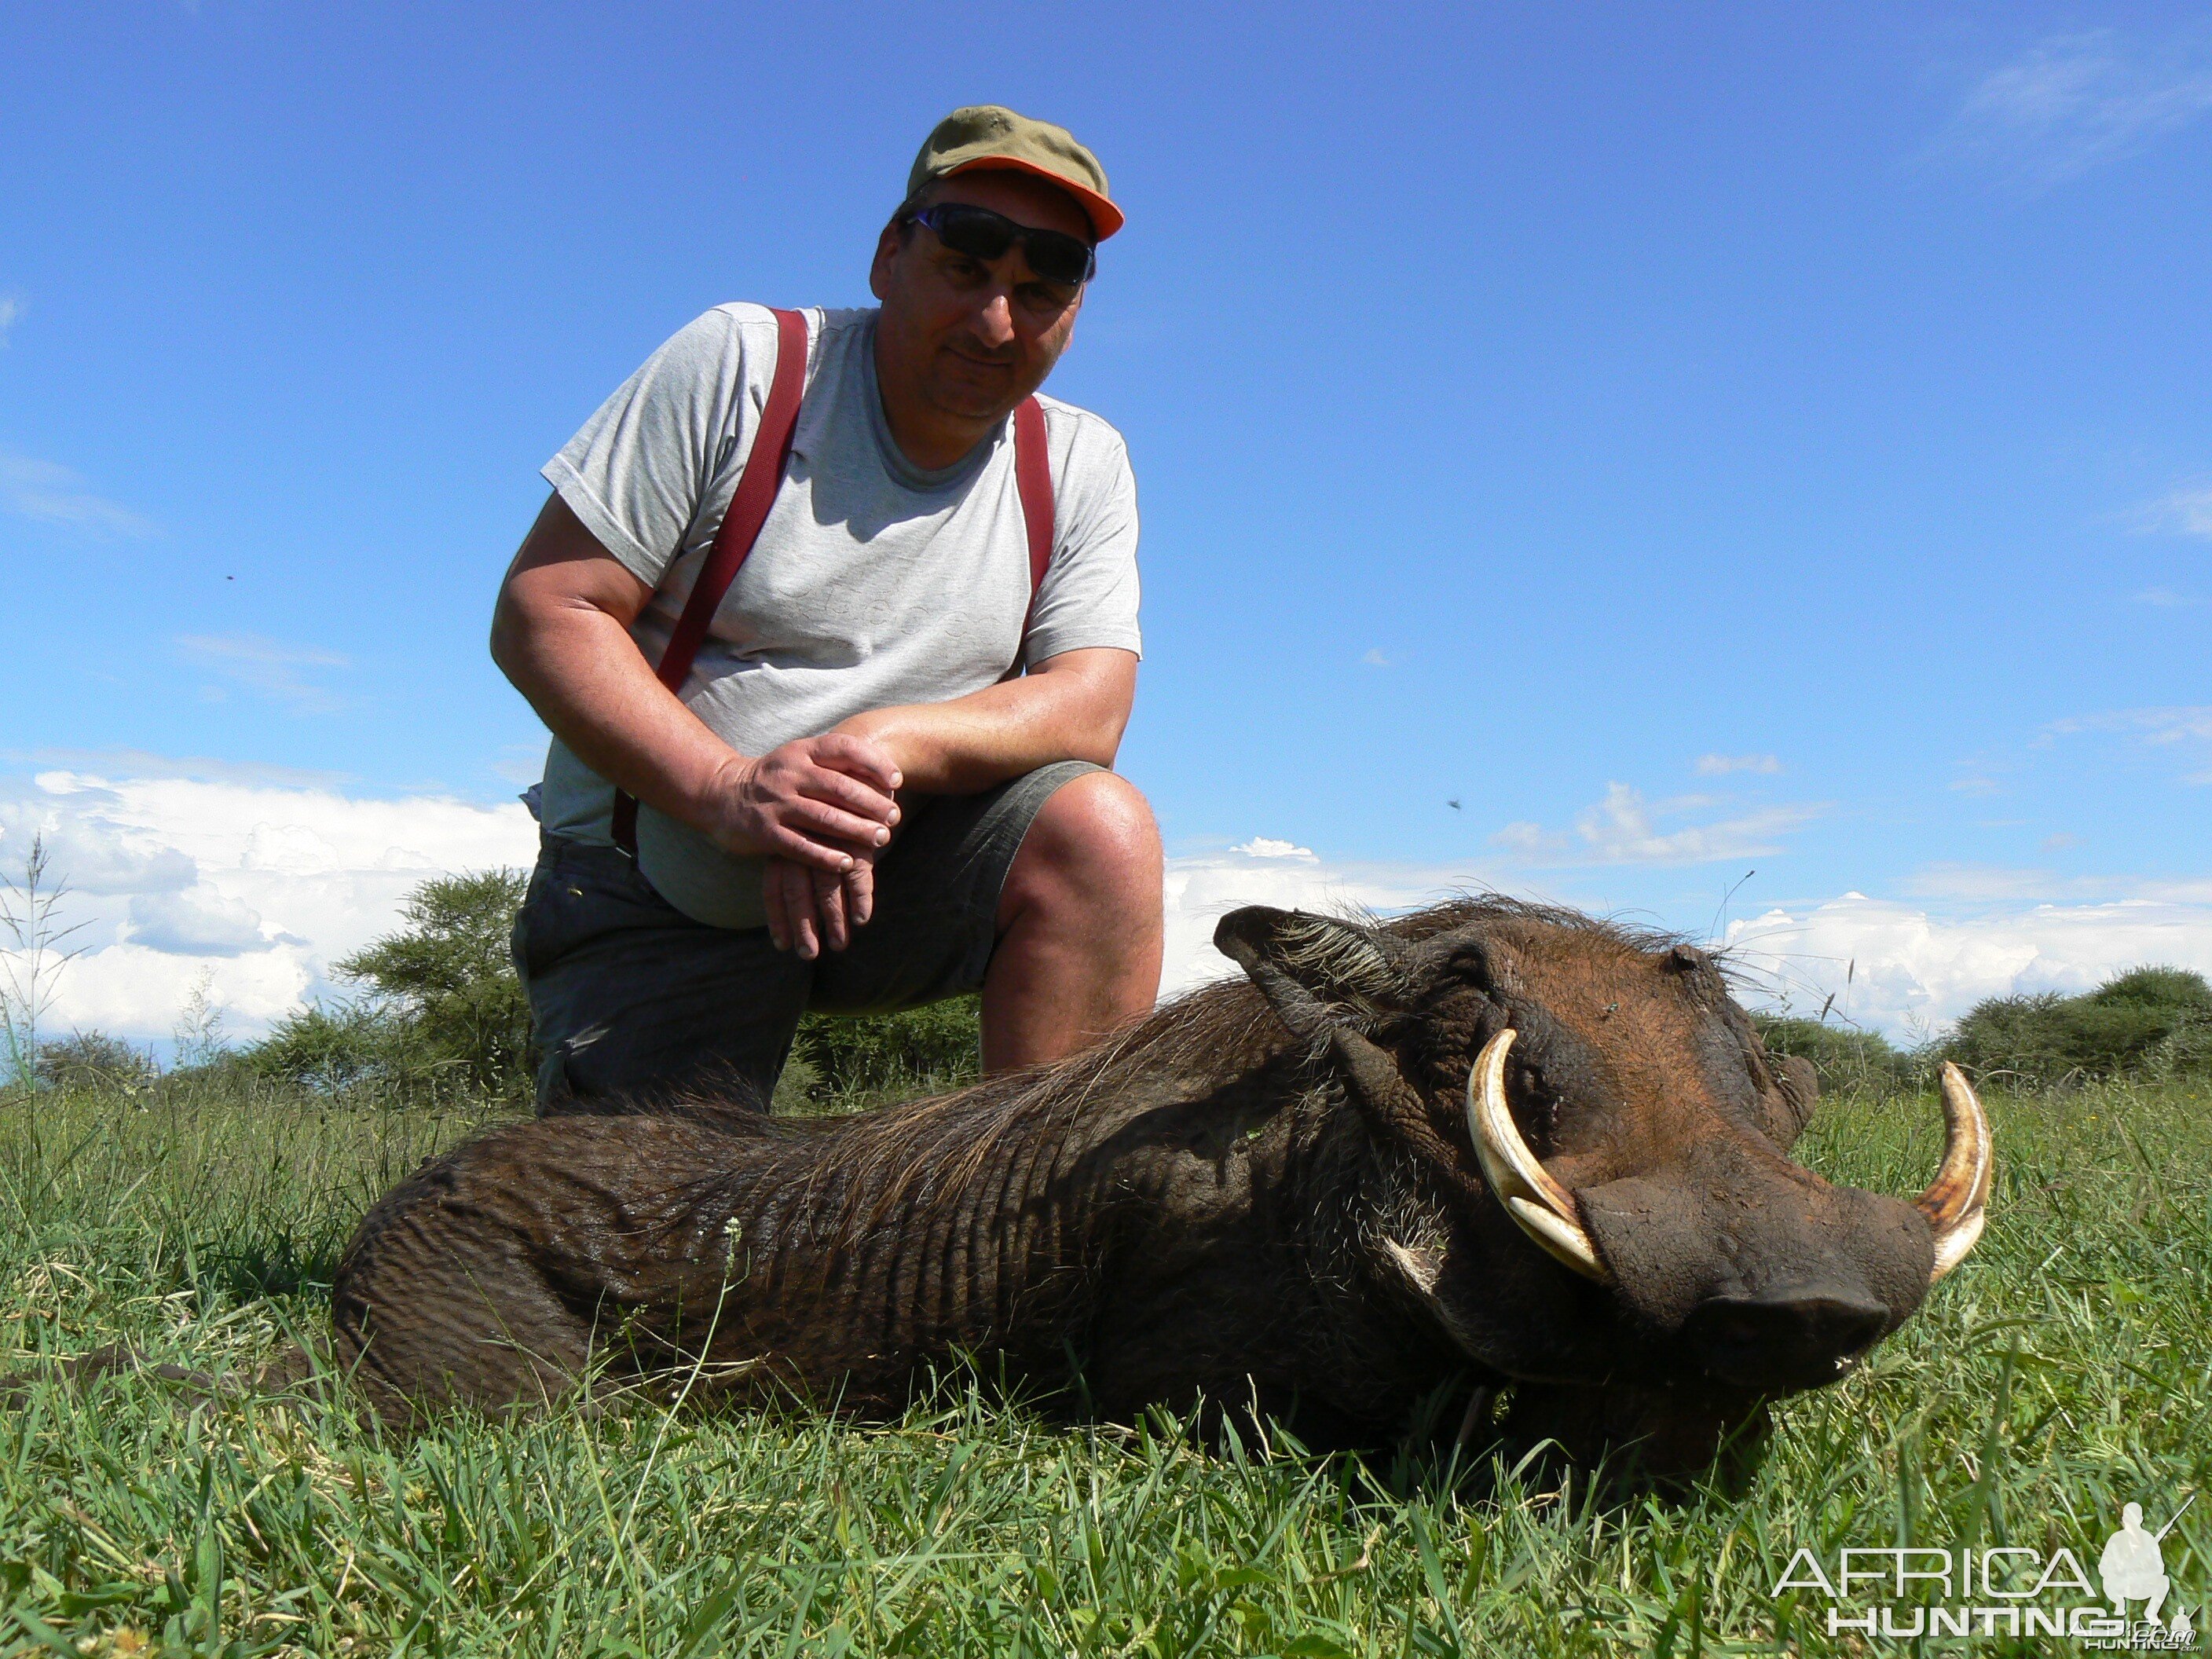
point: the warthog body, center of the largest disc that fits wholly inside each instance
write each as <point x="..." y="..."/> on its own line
<point x="1268" y="1194"/>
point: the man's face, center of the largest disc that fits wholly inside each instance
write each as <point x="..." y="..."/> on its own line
<point x="973" y="337"/>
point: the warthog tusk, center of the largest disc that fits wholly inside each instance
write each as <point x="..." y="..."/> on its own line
<point x="1955" y="1199"/>
<point x="1541" y="1207"/>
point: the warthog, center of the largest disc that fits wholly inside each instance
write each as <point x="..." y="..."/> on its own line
<point x="1487" y="1141"/>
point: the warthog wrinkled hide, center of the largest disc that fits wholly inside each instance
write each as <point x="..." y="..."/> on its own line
<point x="1268" y="1193"/>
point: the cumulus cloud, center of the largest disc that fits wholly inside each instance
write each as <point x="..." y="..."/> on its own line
<point x="1203" y="888"/>
<point x="2074" y="102"/>
<point x="1625" y="828"/>
<point x="1714" y="765"/>
<point x="1908" y="966"/>
<point x="196" y="924"/>
<point x="1266" y="847"/>
<point x="269" y="668"/>
<point x="263" y="884"/>
<point x="52" y="494"/>
<point x="1906" y="970"/>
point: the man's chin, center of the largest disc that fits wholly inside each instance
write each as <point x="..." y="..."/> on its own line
<point x="969" y="402"/>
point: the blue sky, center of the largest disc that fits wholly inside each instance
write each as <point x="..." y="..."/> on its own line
<point x="1693" y="442"/>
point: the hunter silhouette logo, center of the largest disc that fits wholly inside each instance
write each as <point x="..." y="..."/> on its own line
<point x="2133" y="1567"/>
<point x="1905" y="1592"/>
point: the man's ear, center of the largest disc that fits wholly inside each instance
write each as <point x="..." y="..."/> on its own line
<point x="1318" y="973"/>
<point x="887" y="249"/>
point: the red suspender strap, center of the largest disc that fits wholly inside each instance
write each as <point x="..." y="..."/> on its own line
<point x="1033" y="477"/>
<point x="755" y="493"/>
<point x="740" y="529"/>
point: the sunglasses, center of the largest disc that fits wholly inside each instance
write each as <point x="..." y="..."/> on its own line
<point x="982" y="235"/>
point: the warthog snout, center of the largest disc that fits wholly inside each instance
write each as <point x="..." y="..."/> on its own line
<point x="1781" y="1342"/>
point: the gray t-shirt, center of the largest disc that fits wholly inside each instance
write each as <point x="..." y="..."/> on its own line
<point x="874" y="583"/>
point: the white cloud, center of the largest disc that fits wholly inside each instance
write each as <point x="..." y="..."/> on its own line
<point x="2074" y="102"/>
<point x="52" y="493"/>
<point x="2183" y="511"/>
<point x="196" y="924"/>
<point x="1904" y="968"/>
<point x="263" y="884"/>
<point x="1266" y="847"/>
<point x="1375" y="659"/>
<point x="2185" y="728"/>
<point x="11" y="313"/>
<point x="1714" y="765"/>
<point x="1909" y="972"/>
<point x="1622" y="829"/>
<point x="126" y="763"/>
<point x="2163" y="599"/>
<point x="268" y="667"/>
<point x="1206" y="887"/>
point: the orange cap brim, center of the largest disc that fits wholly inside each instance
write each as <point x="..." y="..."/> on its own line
<point x="1105" y="217"/>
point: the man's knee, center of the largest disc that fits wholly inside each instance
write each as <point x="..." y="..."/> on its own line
<point x="1095" y="836"/>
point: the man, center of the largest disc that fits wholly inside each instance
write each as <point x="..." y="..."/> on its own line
<point x="885" y="781"/>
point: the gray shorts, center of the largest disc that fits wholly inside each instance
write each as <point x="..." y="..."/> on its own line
<point x="634" y="1001"/>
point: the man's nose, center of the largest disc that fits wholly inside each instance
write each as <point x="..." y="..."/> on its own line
<point x="994" y="321"/>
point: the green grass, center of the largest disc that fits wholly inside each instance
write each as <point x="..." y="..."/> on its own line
<point x="2062" y="1372"/>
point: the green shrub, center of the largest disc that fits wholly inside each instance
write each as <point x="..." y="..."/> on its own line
<point x="938" y="1047"/>
<point x="442" y="1012"/>
<point x="94" y="1060"/>
<point x="2147" y="1022"/>
<point x="330" y="1047"/>
<point x="1841" y="1056"/>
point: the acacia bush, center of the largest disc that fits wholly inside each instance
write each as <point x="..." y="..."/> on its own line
<point x="2146" y="1023"/>
<point x="442" y="1013"/>
<point x="1842" y="1057"/>
<point x="94" y="1060"/>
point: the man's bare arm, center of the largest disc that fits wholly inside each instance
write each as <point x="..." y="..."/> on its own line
<point x="1072" y="706"/>
<point x="561" y="633"/>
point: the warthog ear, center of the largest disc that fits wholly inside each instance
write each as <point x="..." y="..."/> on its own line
<point x="1317" y="972"/>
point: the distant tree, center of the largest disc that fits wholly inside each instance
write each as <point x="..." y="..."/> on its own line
<point x="1842" y="1056"/>
<point x="94" y="1060"/>
<point x="2144" y="1022"/>
<point x="333" y="1047"/>
<point x="449" y="974"/>
<point x="441" y="1011"/>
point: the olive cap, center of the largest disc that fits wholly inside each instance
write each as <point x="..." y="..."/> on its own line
<point x="991" y="135"/>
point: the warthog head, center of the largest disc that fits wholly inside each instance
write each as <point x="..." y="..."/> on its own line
<point x="1597" y="1184"/>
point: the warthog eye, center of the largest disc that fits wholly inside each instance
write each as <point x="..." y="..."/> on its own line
<point x="1540" y="1111"/>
